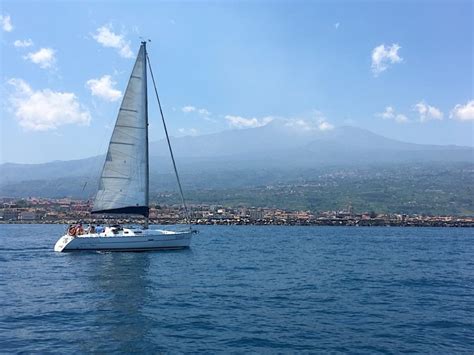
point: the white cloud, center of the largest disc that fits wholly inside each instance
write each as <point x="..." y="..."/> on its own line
<point x="242" y="122"/>
<point x="336" y="25"/>
<point x="463" y="112"/>
<point x="188" y="109"/>
<point x="383" y="56"/>
<point x="319" y="124"/>
<point x="390" y="114"/>
<point x="427" y="112"/>
<point x="203" y="112"/>
<point x="400" y="118"/>
<point x="200" y="111"/>
<point x="44" y="57"/>
<point x="23" y="43"/>
<point x="188" y="131"/>
<point x="106" y="37"/>
<point x="104" y="88"/>
<point x="325" y="126"/>
<point x="299" y="123"/>
<point x="6" y="23"/>
<point x="44" y="110"/>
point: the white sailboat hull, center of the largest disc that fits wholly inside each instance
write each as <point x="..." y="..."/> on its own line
<point x="126" y="240"/>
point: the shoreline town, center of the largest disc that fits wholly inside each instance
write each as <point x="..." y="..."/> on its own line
<point x="69" y="211"/>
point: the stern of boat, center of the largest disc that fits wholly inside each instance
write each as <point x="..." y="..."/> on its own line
<point x="62" y="243"/>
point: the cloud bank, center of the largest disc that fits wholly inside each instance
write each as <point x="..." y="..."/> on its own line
<point x="104" y="88"/>
<point x="427" y="112"/>
<point x="463" y="112"/>
<point x="6" y="23"/>
<point x="243" y="122"/>
<point x="45" y="58"/>
<point x="23" y="43"/>
<point x="383" y="57"/>
<point x="200" y="111"/>
<point x="44" y="110"/>
<point x="107" y="38"/>
<point x="390" y="114"/>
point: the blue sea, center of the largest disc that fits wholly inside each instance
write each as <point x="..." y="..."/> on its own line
<point x="243" y="289"/>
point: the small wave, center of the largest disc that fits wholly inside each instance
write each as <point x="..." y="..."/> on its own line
<point x="26" y="249"/>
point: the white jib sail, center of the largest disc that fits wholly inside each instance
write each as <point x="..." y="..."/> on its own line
<point x="123" y="185"/>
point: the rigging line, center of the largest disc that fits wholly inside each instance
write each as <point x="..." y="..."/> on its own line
<point x="169" y="144"/>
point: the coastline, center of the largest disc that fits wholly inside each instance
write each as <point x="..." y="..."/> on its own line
<point x="458" y="223"/>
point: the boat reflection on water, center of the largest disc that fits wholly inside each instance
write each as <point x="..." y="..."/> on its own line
<point x="128" y="293"/>
<point x="122" y="281"/>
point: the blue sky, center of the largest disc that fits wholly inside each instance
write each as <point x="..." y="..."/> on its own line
<point x="401" y="69"/>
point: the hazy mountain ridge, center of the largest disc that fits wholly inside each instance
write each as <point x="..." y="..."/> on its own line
<point x="278" y="137"/>
<point x="274" y="153"/>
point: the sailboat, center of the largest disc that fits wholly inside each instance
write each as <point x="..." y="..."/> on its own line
<point x="124" y="181"/>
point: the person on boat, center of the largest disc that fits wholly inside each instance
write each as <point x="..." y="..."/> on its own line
<point x="79" y="229"/>
<point x="99" y="229"/>
<point x="91" y="229"/>
<point x="71" y="230"/>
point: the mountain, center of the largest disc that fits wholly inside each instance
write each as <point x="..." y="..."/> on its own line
<point x="278" y="140"/>
<point x="274" y="153"/>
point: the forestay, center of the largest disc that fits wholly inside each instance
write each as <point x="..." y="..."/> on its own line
<point x="123" y="185"/>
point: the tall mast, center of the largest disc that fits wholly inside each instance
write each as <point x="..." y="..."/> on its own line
<point x="169" y="145"/>
<point x="147" y="178"/>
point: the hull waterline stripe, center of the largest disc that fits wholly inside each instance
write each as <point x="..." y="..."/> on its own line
<point x="127" y="249"/>
<point x="142" y="210"/>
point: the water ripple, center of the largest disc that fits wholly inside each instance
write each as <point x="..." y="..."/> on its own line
<point x="243" y="289"/>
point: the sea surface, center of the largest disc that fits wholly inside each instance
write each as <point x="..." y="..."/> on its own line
<point x="243" y="289"/>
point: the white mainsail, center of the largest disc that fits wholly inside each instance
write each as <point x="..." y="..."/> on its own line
<point x="123" y="184"/>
